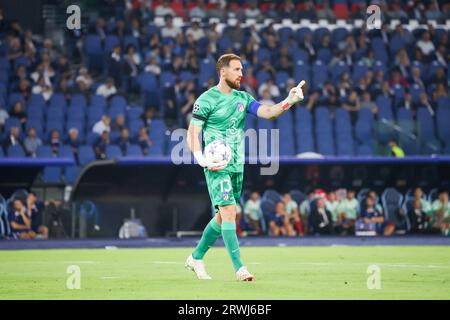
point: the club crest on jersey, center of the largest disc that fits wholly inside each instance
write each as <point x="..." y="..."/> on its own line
<point x="240" y="107"/>
<point x="225" y="196"/>
<point x="196" y="107"/>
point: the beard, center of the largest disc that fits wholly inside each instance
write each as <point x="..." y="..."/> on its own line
<point x="233" y="84"/>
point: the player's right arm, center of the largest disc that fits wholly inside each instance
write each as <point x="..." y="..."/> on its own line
<point x="200" y="115"/>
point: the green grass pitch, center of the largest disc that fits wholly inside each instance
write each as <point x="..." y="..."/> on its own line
<point x="407" y="272"/>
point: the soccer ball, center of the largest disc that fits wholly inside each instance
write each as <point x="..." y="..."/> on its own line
<point x="217" y="151"/>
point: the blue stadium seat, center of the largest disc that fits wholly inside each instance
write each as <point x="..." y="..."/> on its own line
<point x="379" y="50"/>
<point x="86" y="154"/>
<point x="65" y="151"/>
<point x="134" y="150"/>
<point x="284" y="33"/>
<point x="110" y="42"/>
<point x="51" y="174"/>
<point x="300" y="55"/>
<point x="319" y="74"/>
<point x="71" y="174"/>
<point x="442" y="123"/>
<point x="281" y="78"/>
<point x="94" y="52"/>
<point x="95" y="113"/>
<point x="324" y="55"/>
<point x="57" y="99"/>
<point x="426" y="132"/>
<point x="406" y="138"/>
<point x="392" y="201"/>
<point x="44" y="151"/>
<point x="78" y="99"/>
<point x="15" y="151"/>
<point x="135" y="113"/>
<point x="113" y="151"/>
<point x="364" y="150"/>
<point x="359" y="70"/>
<point x="302" y="71"/>
<point x="262" y="76"/>
<point x="98" y="101"/>
<point x="36" y="100"/>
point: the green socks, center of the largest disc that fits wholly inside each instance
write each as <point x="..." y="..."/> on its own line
<point x="209" y="237"/>
<point x="231" y="243"/>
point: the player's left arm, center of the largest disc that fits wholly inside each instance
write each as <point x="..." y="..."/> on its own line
<point x="273" y="112"/>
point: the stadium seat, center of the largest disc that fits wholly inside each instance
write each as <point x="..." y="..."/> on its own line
<point x="426" y="132"/>
<point x="113" y="151"/>
<point x="134" y="150"/>
<point x="392" y="201"/>
<point x="86" y="154"/>
<point x="15" y="151"/>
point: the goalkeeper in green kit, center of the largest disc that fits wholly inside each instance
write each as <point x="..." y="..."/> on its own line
<point x="219" y="114"/>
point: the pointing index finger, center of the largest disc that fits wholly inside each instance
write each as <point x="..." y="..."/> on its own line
<point x="301" y="84"/>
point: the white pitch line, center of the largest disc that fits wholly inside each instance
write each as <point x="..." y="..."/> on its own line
<point x="106" y="278"/>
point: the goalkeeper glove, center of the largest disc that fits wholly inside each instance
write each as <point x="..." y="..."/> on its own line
<point x="295" y="95"/>
<point x="205" y="163"/>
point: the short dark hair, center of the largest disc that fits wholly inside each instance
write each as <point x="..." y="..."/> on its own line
<point x="224" y="61"/>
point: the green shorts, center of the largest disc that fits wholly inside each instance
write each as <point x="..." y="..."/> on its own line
<point x="224" y="187"/>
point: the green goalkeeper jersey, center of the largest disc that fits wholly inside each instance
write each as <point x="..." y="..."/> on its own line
<point x="222" y="117"/>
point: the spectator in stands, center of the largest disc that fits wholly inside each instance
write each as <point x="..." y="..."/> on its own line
<point x="186" y="109"/>
<point x="101" y="144"/>
<point x="348" y="212"/>
<point x="63" y="87"/>
<point x="325" y="12"/>
<point x="169" y="30"/>
<point x="118" y="124"/>
<point x="426" y="46"/>
<point x="102" y="125"/>
<point x="153" y="66"/>
<point x="372" y="215"/>
<point x="42" y="88"/>
<point x="115" y="64"/>
<point x="293" y="213"/>
<point x="20" y="222"/>
<point x="408" y="103"/>
<point x="195" y="31"/>
<point x="279" y="222"/>
<point x="144" y="140"/>
<point x="107" y="89"/>
<point x="439" y="77"/>
<point x="252" y="208"/>
<point x="84" y="77"/>
<point x="164" y="9"/>
<point x="19" y="113"/>
<point x="198" y="11"/>
<point x="442" y="55"/>
<point x="34" y="212"/>
<point x="31" y="143"/>
<point x="252" y="11"/>
<point x="12" y="139"/>
<point x="417" y="217"/>
<point x="100" y="28"/>
<point x="63" y="67"/>
<point x="367" y="103"/>
<point x="266" y="98"/>
<point x="433" y="12"/>
<point x="308" y="12"/>
<point x="55" y="141"/>
<point x="352" y="105"/>
<point x="148" y="116"/>
<point x="3" y="116"/>
<point x="419" y="195"/>
<point x="123" y="141"/>
<point x="332" y="205"/>
<point x="321" y="220"/>
<point x="416" y="77"/>
<point x="74" y="141"/>
<point x="269" y="85"/>
<point x="425" y="103"/>
<point x="395" y="149"/>
<point x="441" y="213"/>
